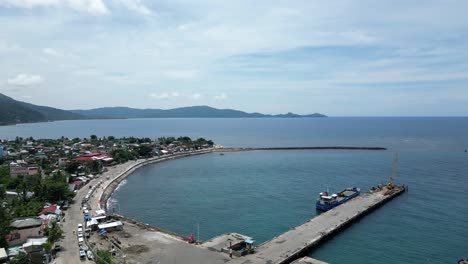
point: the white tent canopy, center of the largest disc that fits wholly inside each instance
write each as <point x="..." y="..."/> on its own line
<point x="110" y="225"/>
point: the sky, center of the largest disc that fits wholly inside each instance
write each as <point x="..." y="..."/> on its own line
<point x="340" y="58"/>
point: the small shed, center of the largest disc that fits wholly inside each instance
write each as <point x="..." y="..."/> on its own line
<point x="117" y="225"/>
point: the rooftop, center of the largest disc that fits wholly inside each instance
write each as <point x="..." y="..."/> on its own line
<point x="26" y="222"/>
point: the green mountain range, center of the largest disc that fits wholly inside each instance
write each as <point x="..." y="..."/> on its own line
<point x="13" y="112"/>
<point x="181" y="112"/>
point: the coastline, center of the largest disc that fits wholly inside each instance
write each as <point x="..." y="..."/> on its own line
<point x="150" y="237"/>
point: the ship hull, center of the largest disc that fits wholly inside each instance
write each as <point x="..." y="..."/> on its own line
<point x="327" y="206"/>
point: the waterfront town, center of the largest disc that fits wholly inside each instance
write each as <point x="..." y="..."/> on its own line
<point x="54" y="193"/>
<point x="45" y="182"/>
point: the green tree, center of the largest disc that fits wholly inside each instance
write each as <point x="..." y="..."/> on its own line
<point x="122" y="155"/>
<point x="95" y="166"/>
<point x="21" y="208"/>
<point x="55" y="188"/>
<point x="4" y="224"/>
<point x="47" y="247"/>
<point x="104" y="257"/>
<point x="93" y="137"/>
<point x="4" y="175"/>
<point x="54" y="232"/>
<point x="144" y="150"/>
<point x="72" y="167"/>
<point x="20" y="259"/>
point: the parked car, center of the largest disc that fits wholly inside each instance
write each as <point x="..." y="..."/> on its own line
<point x="82" y="254"/>
<point x="57" y="246"/>
<point x="90" y="255"/>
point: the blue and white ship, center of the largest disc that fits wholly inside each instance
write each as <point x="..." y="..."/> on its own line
<point x="326" y="201"/>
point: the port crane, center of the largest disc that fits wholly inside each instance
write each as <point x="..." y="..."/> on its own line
<point x="391" y="184"/>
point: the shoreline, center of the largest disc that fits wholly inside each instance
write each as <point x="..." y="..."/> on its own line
<point x="159" y="237"/>
<point x="113" y="183"/>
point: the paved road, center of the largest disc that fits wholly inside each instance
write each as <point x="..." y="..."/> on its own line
<point x="74" y="216"/>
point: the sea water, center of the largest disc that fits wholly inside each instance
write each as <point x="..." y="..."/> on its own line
<point x="264" y="193"/>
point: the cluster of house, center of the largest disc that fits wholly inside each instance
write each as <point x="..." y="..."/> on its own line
<point x="27" y="234"/>
<point x="24" y="158"/>
<point x="21" y="167"/>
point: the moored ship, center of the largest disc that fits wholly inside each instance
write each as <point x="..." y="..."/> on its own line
<point x="326" y="201"/>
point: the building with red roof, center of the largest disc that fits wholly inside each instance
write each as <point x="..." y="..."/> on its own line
<point x="94" y="156"/>
<point x="49" y="210"/>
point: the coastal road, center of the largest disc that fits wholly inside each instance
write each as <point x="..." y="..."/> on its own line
<point x="74" y="216"/>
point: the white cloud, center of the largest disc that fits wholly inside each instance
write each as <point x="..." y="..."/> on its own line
<point x="94" y="7"/>
<point x="29" y="3"/>
<point x="52" y="52"/>
<point x="181" y="74"/>
<point x="222" y="96"/>
<point x="6" y="47"/>
<point x="137" y="6"/>
<point x="173" y="95"/>
<point x="260" y="50"/>
<point x="160" y="96"/>
<point x="25" y="80"/>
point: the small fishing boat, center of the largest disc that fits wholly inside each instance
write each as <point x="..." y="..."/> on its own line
<point x="326" y="201"/>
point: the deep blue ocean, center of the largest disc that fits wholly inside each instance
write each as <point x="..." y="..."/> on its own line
<point x="264" y="193"/>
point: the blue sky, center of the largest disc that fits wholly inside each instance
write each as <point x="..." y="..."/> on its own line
<point x="341" y="58"/>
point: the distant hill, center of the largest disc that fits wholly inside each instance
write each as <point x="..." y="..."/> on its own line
<point x="13" y="112"/>
<point x="181" y="112"/>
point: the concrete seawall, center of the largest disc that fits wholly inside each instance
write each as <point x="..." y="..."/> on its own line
<point x="299" y="148"/>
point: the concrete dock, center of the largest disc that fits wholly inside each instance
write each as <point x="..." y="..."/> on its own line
<point x="296" y="242"/>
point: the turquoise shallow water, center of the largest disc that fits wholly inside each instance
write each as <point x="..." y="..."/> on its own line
<point x="264" y="193"/>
